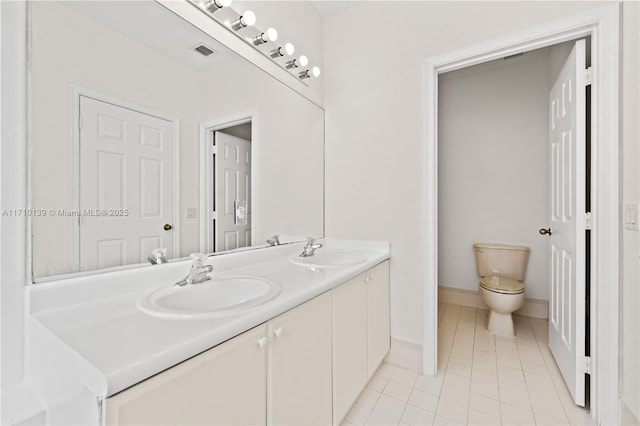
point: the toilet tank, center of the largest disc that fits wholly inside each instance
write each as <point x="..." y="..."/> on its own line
<point x="501" y="260"/>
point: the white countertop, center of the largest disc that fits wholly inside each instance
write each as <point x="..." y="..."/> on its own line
<point x="93" y="323"/>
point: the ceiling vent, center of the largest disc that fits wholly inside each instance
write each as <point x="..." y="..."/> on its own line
<point x="204" y="50"/>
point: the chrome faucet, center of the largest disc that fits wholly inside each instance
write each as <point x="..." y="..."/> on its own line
<point x="274" y="241"/>
<point x="158" y="256"/>
<point x="198" y="272"/>
<point x="310" y="248"/>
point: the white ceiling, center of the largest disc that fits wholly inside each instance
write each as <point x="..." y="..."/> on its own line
<point x="156" y="27"/>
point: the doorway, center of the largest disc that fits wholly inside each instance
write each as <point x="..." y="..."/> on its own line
<point x="500" y="176"/>
<point x="226" y="185"/>
<point x="602" y="26"/>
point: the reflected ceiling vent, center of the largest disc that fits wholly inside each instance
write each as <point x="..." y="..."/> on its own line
<point x="204" y="50"/>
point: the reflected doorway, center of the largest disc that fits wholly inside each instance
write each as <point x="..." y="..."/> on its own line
<point x="228" y="187"/>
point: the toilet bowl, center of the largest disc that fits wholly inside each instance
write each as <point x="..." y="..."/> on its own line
<point x="503" y="296"/>
<point x="502" y="268"/>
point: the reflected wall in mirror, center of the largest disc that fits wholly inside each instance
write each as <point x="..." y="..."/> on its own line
<point x="128" y="120"/>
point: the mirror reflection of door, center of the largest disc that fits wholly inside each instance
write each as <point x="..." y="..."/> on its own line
<point x="126" y="178"/>
<point x="231" y="174"/>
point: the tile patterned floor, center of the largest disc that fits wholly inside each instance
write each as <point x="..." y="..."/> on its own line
<point x="482" y="380"/>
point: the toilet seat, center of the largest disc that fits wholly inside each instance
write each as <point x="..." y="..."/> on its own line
<point x="502" y="285"/>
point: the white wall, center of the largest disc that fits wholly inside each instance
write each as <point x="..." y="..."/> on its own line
<point x="493" y="166"/>
<point x="375" y="121"/>
<point x="630" y="161"/>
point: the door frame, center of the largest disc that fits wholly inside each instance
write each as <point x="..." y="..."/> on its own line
<point x="602" y="25"/>
<point x="206" y="184"/>
<point x="74" y="98"/>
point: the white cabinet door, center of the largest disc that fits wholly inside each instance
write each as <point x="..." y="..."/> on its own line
<point x="299" y="365"/>
<point x="350" y="374"/>
<point x="223" y="386"/>
<point x="379" y="335"/>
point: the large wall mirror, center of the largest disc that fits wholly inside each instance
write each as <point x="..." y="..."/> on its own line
<point x="147" y="133"/>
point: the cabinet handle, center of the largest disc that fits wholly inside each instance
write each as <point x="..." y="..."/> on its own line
<point x="278" y="331"/>
<point x="261" y="342"/>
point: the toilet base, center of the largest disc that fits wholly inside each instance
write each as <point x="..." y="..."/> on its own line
<point x="501" y="324"/>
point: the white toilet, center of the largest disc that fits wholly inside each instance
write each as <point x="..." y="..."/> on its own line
<point x="502" y="268"/>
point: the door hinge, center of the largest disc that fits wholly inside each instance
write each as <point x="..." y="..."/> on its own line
<point x="214" y="150"/>
<point x="214" y="215"/>
<point x="80" y="123"/>
<point x="588" y="220"/>
<point x="588" y="77"/>
<point x="587" y="364"/>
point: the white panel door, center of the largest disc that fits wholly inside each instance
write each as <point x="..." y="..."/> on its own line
<point x="126" y="185"/>
<point x="232" y="192"/>
<point x="568" y="256"/>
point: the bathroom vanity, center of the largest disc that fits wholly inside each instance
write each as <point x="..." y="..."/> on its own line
<point x="301" y="357"/>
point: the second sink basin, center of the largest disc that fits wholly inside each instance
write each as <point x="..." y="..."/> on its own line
<point x="220" y="296"/>
<point x="328" y="259"/>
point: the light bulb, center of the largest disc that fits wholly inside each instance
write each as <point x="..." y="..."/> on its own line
<point x="304" y="61"/>
<point x="249" y="18"/>
<point x="315" y="71"/>
<point x="289" y="49"/>
<point x="271" y="34"/>
<point x="246" y="20"/>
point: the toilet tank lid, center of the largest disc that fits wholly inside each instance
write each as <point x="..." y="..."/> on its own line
<point x="498" y="246"/>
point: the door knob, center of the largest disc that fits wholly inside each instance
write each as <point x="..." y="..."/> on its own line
<point x="167" y="227"/>
<point x="544" y="231"/>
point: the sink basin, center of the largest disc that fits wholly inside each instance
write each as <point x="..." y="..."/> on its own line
<point x="328" y="259"/>
<point x="218" y="297"/>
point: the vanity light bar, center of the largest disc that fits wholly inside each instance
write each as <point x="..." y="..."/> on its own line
<point x="248" y="19"/>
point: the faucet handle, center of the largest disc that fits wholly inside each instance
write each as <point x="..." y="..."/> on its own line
<point x="198" y="259"/>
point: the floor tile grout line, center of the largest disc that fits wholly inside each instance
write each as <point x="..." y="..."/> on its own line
<point x="526" y="383"/>
<point x="553" y="382"/>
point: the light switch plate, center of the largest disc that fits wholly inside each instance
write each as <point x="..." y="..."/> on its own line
<point x="630" y="217"/>
<point x="192" y="213"/>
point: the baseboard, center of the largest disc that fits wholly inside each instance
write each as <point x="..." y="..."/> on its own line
<point x="534" y="308"/>
<point x="627" y="416"/>
<point x="405" y="354"/>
